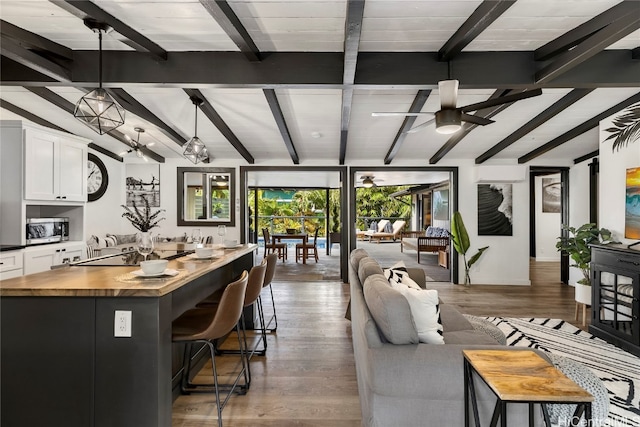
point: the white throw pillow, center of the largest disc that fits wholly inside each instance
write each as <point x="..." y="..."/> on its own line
<point x="425" y="311"/>
<point x="398" y="274"/>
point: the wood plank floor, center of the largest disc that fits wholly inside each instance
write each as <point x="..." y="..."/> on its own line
<point x="308" y="376"/>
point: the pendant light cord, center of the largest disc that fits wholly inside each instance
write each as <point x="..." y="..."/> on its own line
<point x="196" y="130"/>
<point x="100" y="57"/>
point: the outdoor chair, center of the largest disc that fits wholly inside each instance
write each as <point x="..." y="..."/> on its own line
<point x="271" y="247"/>
<point x="311" y="248"/>
<point x="397" y="227"/>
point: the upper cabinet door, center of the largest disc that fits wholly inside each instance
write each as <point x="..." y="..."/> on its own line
<point x="54" y="168"/>
<point x="72" y="165"/>
<point x="39" y="165"/>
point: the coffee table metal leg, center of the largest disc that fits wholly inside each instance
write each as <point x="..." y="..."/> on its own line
<point x="496" y="414"/>
<point x="466" y="394"/>
<point x="530" y="414"/>
<point x="503" y="414"/>
<point x="468" y="376"/>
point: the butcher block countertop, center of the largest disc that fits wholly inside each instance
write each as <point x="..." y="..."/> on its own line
<point x="112" y="281"/>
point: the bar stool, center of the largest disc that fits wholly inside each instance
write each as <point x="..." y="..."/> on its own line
<point x="272" y="261"/>
<point x="203" y="325"/>
<point x="254" y="287"/>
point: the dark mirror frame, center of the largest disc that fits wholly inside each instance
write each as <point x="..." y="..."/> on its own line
<point x="206" y="222"/>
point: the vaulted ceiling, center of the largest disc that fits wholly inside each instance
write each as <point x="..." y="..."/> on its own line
<point x="295" y="82"/>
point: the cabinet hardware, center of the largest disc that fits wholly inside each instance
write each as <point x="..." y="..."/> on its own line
<point x="628" y="262"/>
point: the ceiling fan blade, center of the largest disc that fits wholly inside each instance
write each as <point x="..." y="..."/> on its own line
<point x="448" y="93"/>
<point x="420" y="126"/>
<point x="476" y="119"/>
<point x="501" y="100"/>
<point x="395" y="114"/>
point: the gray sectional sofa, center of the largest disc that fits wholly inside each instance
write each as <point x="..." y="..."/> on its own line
<point x="410" y="383"/>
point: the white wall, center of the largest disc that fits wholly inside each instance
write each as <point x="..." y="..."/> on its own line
<point x="578" y="205"/>
<point x="613" y="166"/>
<point x="548" y="225"/>
<point x="507" y="259"/>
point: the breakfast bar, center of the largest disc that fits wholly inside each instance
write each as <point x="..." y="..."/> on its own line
<point x="63" y="359"/>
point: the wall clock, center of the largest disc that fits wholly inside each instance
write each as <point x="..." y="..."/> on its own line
<point x="97" y="178"/>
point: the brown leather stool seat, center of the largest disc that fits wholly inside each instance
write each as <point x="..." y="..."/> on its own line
<point x="272" y="261"/>
<point x="204" y="325"/>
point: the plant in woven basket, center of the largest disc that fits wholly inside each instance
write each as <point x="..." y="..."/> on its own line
<point x="142" y="218"/>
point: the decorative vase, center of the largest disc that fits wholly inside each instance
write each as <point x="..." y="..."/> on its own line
<point x="583" y="294"/>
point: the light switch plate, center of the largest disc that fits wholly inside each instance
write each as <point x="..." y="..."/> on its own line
<point x="122" y="324"/>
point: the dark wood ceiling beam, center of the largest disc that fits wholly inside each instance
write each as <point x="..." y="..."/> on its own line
<point x="230" y="23"/>
<point x="566" y="101"/>
<point x="272" y="100"/>
<point x="416" y="107"/>
<point x="85" y="8"/>
<point x="579" y="130"/>
<point x="468" y="127"/>
<point x="591" y="155"/>
<point x="480" y="19"/>
<point x="577" y="35"/>
<point x="135" y="107"/>
<point x="34" y="41"/>
<point x="375" y="70"/>
<point x="352" y="32"/>
<point x="589" y="47"/>
<point x="60" y="102"/>
<point x="13" y="50"/>
<point x="222" y="126"/>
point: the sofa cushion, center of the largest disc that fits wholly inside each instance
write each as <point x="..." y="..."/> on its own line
<point x="471" y="337"/>
<point x="391" y="311"/>
<point x="398" y="273"/>
<point x="425" y="312"/>
<point x="122" y="239"/>
<point x="453" y="320"/>
<point x="356" y="256"/>
<point x="367" y="267"/>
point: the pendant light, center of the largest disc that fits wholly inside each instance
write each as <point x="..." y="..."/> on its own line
<point x="97" y="109"/>
<point x="194" y="149"/>
<point x="136" y="147"/>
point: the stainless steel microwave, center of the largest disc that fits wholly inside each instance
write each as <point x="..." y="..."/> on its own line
<point x="47" y="230"/>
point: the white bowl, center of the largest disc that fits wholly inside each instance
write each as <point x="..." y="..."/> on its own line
<point x="154" y="266"/>
<point x="204" y="252"/>
<point x="230" y="243"/>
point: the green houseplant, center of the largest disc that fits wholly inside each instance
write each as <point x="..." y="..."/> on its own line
<point x="461" y="242"/>
<point x="142" y="219"/>
<point x="577" y="246"/>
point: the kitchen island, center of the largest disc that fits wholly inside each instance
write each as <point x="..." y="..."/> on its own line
<point x="60" y="361"/>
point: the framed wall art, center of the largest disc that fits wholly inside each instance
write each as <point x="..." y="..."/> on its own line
<point x="495" y="206"/>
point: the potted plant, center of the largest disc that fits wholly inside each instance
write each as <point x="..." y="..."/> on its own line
<point x="576" y="244"/>
<point x="461" y="242"/>
<point x="142" y="219"/>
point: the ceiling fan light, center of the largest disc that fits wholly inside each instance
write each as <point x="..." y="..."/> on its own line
<point x="98" y="110"/>
<point x="367" y="182"/>
<point x="448" y="121"/>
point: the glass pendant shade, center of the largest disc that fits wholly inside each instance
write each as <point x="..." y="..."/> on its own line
<point x="99" y="111"/>
<point x="195" y="150"/>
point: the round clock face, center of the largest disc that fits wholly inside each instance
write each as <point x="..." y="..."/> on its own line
<point x="97" y="178"/>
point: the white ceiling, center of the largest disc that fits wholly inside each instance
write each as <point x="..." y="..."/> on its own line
<point x="313" y="114"/>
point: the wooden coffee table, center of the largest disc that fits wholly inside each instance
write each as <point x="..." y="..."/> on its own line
<point x="520" y="376"/>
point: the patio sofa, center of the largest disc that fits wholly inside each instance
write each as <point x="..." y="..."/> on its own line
<point x="409" y="383"/>
<point x="433" y="239"/>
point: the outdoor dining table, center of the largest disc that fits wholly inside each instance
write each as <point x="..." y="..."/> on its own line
<point x="278" y="237"/>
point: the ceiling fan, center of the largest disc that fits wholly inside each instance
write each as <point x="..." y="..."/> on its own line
<point x="368" y="181"/>
<point x="136" y="147"/>
<point x="450" y="117"/>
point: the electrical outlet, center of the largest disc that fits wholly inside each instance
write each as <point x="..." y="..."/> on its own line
<point x="122" y="324"/>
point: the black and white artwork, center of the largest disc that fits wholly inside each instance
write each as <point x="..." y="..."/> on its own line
<point x="143" y="181"/>
<point x="551" y="189"/>
<point x="495" y="206"/>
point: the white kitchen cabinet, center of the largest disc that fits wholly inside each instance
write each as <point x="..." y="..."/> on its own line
<point x="42" y="258"/>
<point x="54" y="167"/>
<point x="10" y="264"/>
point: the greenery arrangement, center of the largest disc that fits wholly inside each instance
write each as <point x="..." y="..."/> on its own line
<point x="461" y="242"/>
<point x="142" y="219"/>
<point x="577" y="246"/>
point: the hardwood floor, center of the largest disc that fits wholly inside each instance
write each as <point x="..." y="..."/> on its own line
<point x="308" y="376"/>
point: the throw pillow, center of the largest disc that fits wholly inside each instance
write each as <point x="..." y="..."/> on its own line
<point x="425" y="311"/>
<point x="93" y="242"/>
<point x="110" y="241"/>
<point x="398" y="273"/>
<point x="121" y="239"/>
<point x="388" y="228"/>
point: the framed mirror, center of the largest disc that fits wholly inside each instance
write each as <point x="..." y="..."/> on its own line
<point x="206" y="196"/>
